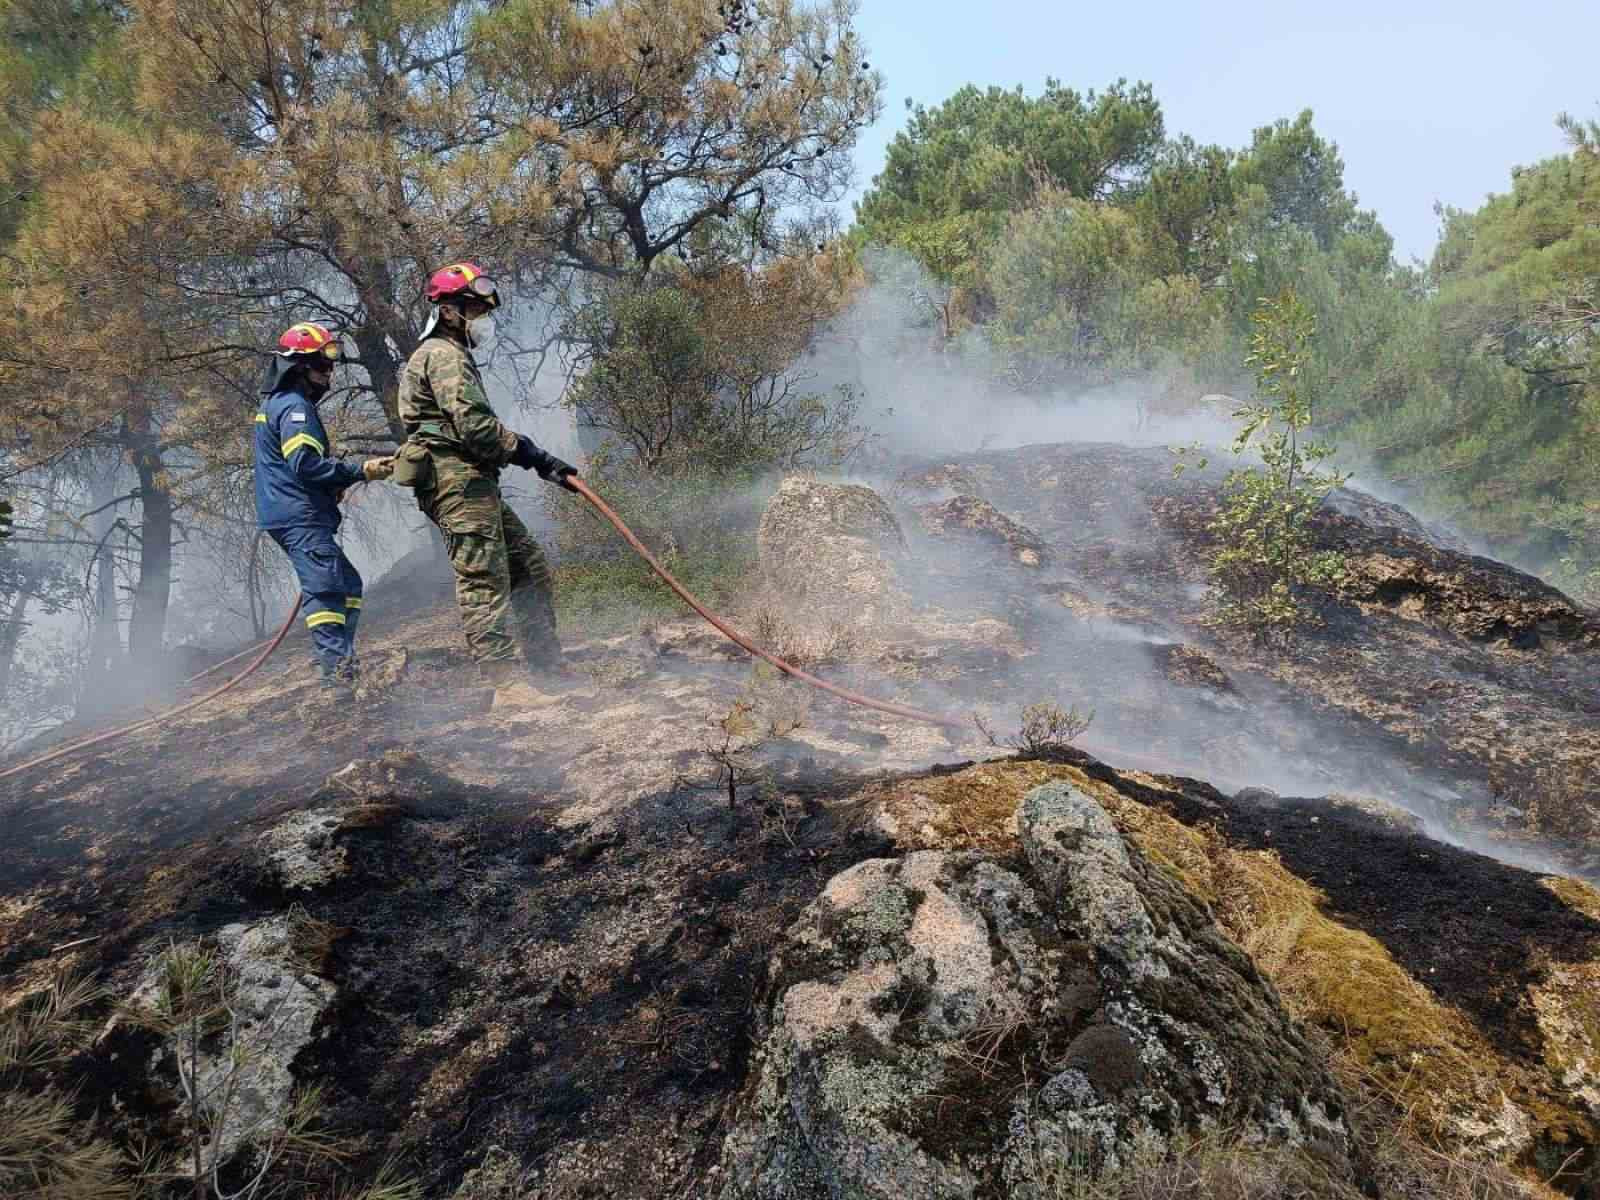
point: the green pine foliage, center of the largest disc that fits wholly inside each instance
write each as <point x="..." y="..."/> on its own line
<point x="1081" y="247"/>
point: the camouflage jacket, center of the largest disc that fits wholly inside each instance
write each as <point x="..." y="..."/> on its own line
<point x="443" y="406"/>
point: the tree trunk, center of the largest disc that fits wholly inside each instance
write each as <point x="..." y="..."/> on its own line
<point x="384" y="373"/>
<point x="148" y="623"/>
<point x="258" y="601"/>
<point x="11" y="626"/>
<point x="95" y="695"/>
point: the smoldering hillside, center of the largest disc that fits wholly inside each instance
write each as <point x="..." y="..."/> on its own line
<point x="542" y="948"/>
<point x="535" y="942"/>
<point x="1110" y="614"/>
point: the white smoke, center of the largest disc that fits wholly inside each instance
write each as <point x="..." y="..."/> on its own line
<point x="925" y="400"/>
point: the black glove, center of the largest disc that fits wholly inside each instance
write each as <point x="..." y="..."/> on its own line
<point x="526" y="455"/>
<point x="530" y="458"/>
<point x="552" y="470"/>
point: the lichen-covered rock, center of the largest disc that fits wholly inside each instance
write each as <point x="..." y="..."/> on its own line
<point x="834" y="549"/>
<point x="301" y="851"/>
<point x="1212" y="1038"/>
<point x="974" y="517"/>
<point x="940" y="1025"/>
<point x="243" y="1078"/>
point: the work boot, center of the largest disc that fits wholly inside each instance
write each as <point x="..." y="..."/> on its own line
<point x="331" y="698"/>
<point x="547" y="671"/>
<point x="512" y="688"/>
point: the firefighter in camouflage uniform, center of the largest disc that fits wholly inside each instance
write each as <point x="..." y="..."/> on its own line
<point x="454" y="451"/>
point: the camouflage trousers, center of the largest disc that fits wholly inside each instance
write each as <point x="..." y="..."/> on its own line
<point x="502" y="576"/>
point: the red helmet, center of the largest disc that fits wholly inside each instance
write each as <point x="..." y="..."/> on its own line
<point x="308" y="340"/>
<point x="462" y="279"/>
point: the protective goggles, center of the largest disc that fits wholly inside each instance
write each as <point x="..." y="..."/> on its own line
<point x="482" y="288"/>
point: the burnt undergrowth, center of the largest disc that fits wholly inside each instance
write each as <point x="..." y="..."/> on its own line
<point x="515" y="984"/>
<point x="1474" y="931"/>
<point x="503" y="981"/>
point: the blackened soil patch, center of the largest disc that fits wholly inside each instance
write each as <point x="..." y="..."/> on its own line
<point x="588" y="1013"/>
<point x="1474" y="931"/>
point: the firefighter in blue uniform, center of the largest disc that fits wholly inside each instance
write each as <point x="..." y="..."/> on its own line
<point x="298" y="486"/>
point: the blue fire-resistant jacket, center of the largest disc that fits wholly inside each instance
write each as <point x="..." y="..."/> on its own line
<point x="297" y="484"/>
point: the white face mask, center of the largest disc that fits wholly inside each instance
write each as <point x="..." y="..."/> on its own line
<point x="480" y="331"/>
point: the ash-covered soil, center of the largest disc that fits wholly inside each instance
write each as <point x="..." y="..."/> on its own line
<point x="551" y="923"/>
<point x="1461" y="689"/>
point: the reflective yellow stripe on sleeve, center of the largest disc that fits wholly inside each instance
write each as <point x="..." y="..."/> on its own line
<point x="302" y="439"/>
<point x="352" y="602"/>
<point x="324" y="618"/>
<point x="261" y="418"/>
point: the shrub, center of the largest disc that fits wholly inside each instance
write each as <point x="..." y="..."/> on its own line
<point x="1045" y="726"/>
<point x="767" y="710"/>
<point x="1264" y="550"/>
<point x="700" y="371"/>
<point x="700" y="526"/>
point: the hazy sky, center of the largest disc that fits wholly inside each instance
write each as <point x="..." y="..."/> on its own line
<point x="1428" y="101"/>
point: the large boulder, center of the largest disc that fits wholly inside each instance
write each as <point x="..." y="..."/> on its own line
<point x="949" y="1025"/>
<point x="835" y="550"/>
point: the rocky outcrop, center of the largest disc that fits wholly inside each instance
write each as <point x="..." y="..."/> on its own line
<point x="835" y="549"/>
<point x="301" y="853"/>
<point x="1446" y="683"/>
<point x="977" y="519"/>
<point x="1473" y="597"/>
<point x="262" y="1007"/>
<point x="951" y="1025"/>
<point x="1380" y="514"/>
<point x="946" y="478"/>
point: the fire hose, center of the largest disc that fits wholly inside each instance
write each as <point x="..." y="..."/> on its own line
<point x="123" y="731"/>
<point x="733" y="635"/>
<point x="573" y="483"/>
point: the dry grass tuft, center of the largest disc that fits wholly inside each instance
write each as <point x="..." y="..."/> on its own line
<point x="1577" y="895"/>
<point x="46" y="1153"/>
<point x="1426" y="1058"/>
<point x="311" y="941"/>
<point x="831" y="642"/>
<point x="1564" y="801"/>
<point x="1213" y="1166"/>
